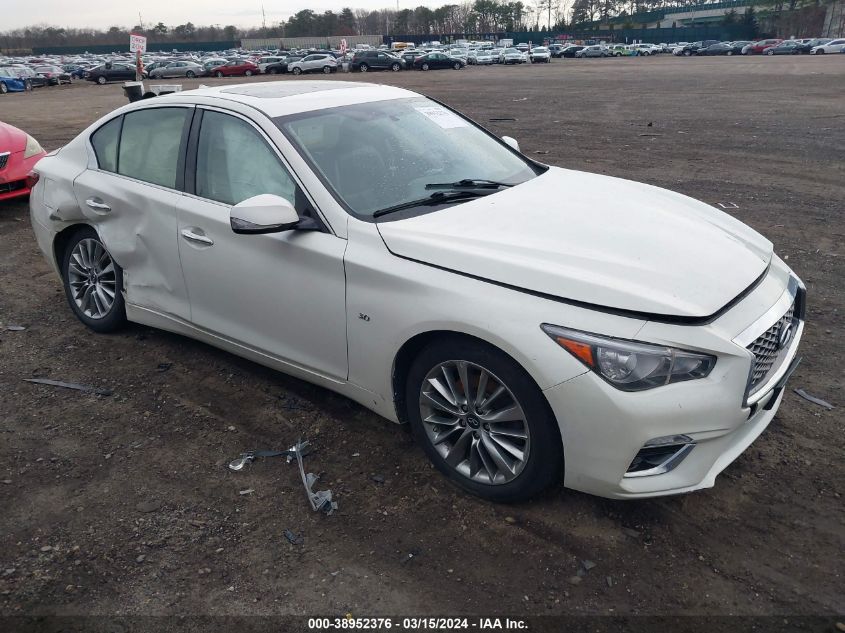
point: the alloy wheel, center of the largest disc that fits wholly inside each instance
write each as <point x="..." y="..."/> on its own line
<point x="474" y="422"/>
<point x="92" y="278"/>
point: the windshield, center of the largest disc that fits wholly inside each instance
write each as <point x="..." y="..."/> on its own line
<point x="374" y="156"/>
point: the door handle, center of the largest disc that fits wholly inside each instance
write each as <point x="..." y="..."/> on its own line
<point x="98" y="205"/>
<point x="189" y="235"/>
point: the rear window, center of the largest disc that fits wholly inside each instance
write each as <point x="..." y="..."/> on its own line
<point x="104" y="141"/>
<point x="150" y="143"/>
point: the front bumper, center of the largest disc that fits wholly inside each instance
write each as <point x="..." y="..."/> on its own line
<point x="604" y="429"/>
<point x="13" y="175"/>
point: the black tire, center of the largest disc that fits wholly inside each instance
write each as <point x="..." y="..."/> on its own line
<point x="297" y="70"/>
<point x="3" y="88"/>
<point x="363" y="68"/>
<point x="190" y="74"/>
<point x="395" y="68"/>
<point x="27" y="86"/>
<point x="116" y="318"/>
<point x="327" y="70"/>
<point x="687" y="53"/>
<point x="218" y="74"/>
<point x="424" y="67"/>
<point x="274" y="71"/>
<point x="457" y="66"/>
<point x="729" y="53"/>
<point x="544" y="465"/>
<point x="102" y="80"/>
<point x="247" y="73"/>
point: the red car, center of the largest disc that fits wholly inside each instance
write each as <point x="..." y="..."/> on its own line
<point x="237" y="67"/>
<point x="18" y="154"/>
<point x="757" y="48"/>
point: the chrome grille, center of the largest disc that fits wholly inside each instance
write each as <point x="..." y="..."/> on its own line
<point x="766" y="349"/>
<point x="4" y="158"/>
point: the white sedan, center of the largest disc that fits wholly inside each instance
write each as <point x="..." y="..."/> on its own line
<point x="834" y="46"/>
<point x="530" y="323"/>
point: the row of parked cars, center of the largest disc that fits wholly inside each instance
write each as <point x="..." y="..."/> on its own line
<point x="18" y="76"/>
<point x="772" y="46"/>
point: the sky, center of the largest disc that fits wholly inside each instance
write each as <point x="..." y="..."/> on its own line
<point x="105" y="13"/>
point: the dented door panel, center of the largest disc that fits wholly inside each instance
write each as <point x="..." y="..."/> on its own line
<point x="137" y="223"/>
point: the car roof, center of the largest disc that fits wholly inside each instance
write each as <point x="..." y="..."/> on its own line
<point x="281" y="98"/>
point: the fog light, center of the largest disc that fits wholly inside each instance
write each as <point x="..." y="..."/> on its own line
<point x="660" y="455"/>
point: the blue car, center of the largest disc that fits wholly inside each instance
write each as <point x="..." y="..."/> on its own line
<point x="74" y="70"/>
<point x="10" y="82"/>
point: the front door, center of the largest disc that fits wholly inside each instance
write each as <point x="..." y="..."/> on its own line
<point x="283" y="294"/>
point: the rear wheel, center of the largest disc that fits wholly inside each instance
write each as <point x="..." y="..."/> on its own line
<point x="424" y="66"/>
<point x="482" y="421"/>
<point x="3" y="88"/>
<point x="218" y="74"/>
<point x="247" y="73"/>
<point x="364" y="68"/>
<point x="457" y="66"/>
<point x="729" y="53"/>
<point x="273" y="71"/>
<point x="101" y="80"/>
<point x="93" y="282"/>
<point x="190" y="74"/>
<point x="27" y="85"/>
<point x="327" y="70"/>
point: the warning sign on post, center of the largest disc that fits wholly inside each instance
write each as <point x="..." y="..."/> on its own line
<point x="137" y="43"/>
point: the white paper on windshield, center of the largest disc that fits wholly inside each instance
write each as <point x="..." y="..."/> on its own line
<point x="445" y="119"/>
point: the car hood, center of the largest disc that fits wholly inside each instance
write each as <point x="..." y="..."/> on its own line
<point x="592" y="239"/>
<point x="11" y="138"/>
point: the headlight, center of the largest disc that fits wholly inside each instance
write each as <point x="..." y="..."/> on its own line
<point x="628" y="365"/>
<point x="32" y="147"/>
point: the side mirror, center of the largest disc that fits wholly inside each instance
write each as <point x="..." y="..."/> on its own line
<point x="266" y="213"/>
<point x="511" y="142"/>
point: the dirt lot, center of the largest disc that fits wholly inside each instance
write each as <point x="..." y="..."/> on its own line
<point x="122" y="504"/>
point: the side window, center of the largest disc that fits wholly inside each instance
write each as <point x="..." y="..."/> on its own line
<point x="104" y="142"/>
<point x="149" y="145"/>
<point x="234" y="163"/>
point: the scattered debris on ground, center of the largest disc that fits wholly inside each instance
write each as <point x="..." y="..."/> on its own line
<point x="70" y="385"/>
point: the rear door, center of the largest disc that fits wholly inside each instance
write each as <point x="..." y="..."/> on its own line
<point x="130" y="194"/>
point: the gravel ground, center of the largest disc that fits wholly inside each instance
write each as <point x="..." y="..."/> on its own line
<point x="122" y="504"/>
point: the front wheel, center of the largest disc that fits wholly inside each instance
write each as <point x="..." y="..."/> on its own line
<point x="190" y="74"/>
<point x="687" y="53"/>
<point x="247" y="73"/>
<point x="770" y="53"/>
<point x="93" y="282"/>
<point x="3" y="88"/>
<point x="364" y="68"/>
<point x="395" y="67"/>
<point x="457" y="66"/>
<point x="27" y="86"/>
<point x="483" y="421"/>
<point x="729" y="53"/>
<point x="424" y="66"/>
<point x="297" y="71"/>
<point x="327" y="70"/>
<point x="218" y="74"/>
<point x="274" y="71"/>
<point x="101" y="80"/>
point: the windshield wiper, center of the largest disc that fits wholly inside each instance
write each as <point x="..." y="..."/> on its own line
<point x="438" y="197"/>
<point x="469" y="183"/>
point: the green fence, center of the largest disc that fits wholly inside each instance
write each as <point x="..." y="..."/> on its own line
<point x="105" y="49"/>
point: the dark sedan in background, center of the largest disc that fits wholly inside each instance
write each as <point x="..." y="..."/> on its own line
<point x="278" y="68"/>
<point x="726" y="48"/>
<point x="111" y="71"/>
<point x="54" y="75"/>
<point x="784" y="48"/>
<point x="436" y="60"/>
